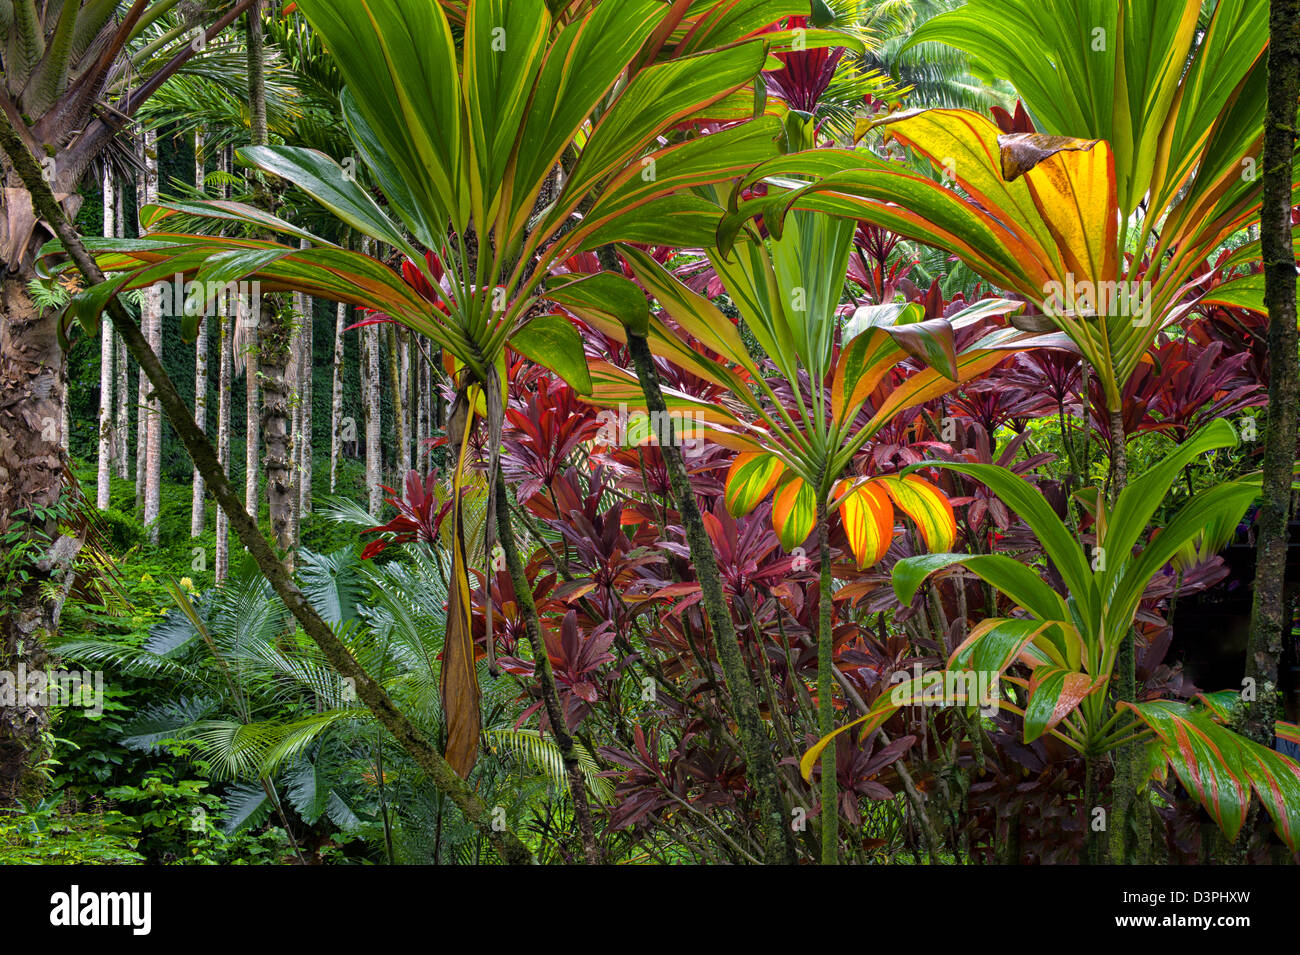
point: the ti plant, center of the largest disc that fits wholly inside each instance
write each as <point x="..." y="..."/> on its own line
<point x="798" y="448"/>
<point x="1069" y="644"/>
<point x="1142" y="166"/>
<point x="504" y="149"/>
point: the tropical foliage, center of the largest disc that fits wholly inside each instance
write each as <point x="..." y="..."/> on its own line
<point x="731" y="407"/>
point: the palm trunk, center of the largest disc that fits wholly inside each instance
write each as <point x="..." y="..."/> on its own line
<point x="399" y="413"/>
<point x="830" y="810"/>
<point x="408" y="399"/>
<point x="1269" y="618"/>
<point x="152" y="321"/>
<point x="107" y="350"/>
<point x="275" y="330"/>
<point x="760" y="765"/>
<point x="292" y="380"/>
<point x="306" y="346"/>
<point x="225" y="374"/>
<point x="336" y="396"/>
<point x="31" y="468"/>
<point x="374" y="429"/>
<point x="197" y="516"/>
<point x="123" y="440"/>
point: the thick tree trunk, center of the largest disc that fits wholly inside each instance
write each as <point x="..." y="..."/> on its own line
<point x="107" y="349"/>
<point x="336" y="396"/>
<point x="1268" y="613"/>
<point x="31" y="469"/>
<point x="760" y="765"/>
<point x="197" y="514"/>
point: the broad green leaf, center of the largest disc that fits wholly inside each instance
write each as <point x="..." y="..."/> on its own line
<point x="553" y="342"/>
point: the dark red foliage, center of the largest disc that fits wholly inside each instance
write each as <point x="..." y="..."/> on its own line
<point x="419" y="515"/>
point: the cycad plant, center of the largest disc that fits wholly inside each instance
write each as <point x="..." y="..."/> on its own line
<point x="1065" y="647"/>
<point x="841" y="391"/>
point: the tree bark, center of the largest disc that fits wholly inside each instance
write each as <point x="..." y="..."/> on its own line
<point x="197" y="513"/>
<point x="336" y="396"/>
<point x="31" y="467"/>
<point x="151" y="319"/>
<point x="293" y="382"/>
<point x="123" y="441"/>
<point x="107" y="351"/>
<point x="760" y="765"/>
<point x="1268" y="613"/>
<point x="307" y="348"/>
<point x="399" y="406"/>
<point x="370" y="402"/>
<point x="225" y="374"/>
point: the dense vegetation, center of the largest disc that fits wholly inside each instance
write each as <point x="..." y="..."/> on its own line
<point x="618" y="431"/>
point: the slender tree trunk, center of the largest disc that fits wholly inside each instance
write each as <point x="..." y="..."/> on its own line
<point x="370" y="691"/>
<point x="545" y="676"/>
<point x="293" y="382"/>
<point x="336" y="396"/>
<point x="123" y="441"/>
<point x="275" y="329"/>
<point x="830" y="809"/>
<point x="152" y="321"/>
<point x="225" y="376"/>
<point x="422" y="427"/>
<point x="1268" y="612"/>
<point x="307" y="348"/>
<point x="408" y="398"/>
<point x="1129" y="817"/>
<point x="374" y="429"/>
<point x="197" y="515"/>
<point x="107" y="350"/>
<point x="760" y="765"/>
<point x="370" y="401"/>
<point x="399" y="411"/>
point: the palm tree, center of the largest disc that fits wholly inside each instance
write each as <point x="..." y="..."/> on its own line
<point x="61" y="64"/>
<point x="200" y="366"/>
<point x="107" y="350"/>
